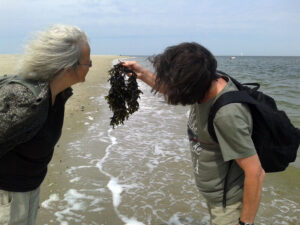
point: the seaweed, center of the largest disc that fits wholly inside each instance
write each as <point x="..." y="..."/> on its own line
<point x="123" y="94"/>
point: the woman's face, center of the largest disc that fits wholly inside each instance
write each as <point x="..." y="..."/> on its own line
<point x="84" y="63"/>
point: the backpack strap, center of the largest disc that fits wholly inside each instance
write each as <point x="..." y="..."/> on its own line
<point x="225" y="99"/>
<point x="225" y="184"/>
<point x="6" y="79"/>
<point x="32" y="85"/>
<point x="241" y="86"/>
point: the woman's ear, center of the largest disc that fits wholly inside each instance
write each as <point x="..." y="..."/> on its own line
<point x="72" y="68"/>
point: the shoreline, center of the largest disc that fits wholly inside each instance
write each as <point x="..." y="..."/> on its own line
<point x="76" y="123"/>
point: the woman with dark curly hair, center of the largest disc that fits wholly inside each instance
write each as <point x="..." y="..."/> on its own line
<point x="187" y="74"/>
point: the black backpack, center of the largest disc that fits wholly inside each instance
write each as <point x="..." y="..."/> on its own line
<point x="275" y="138"/>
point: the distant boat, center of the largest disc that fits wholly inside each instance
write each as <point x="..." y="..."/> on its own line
<point x="232" y="57"/>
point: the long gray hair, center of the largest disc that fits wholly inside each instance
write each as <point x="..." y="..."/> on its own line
<point x="56" y="49"/>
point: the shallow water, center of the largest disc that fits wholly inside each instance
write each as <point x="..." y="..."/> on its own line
<point x="140" y="173"/>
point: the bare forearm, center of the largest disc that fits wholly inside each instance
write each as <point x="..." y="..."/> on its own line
<point x="251" y="196"/>
<point x="148" y="77"/>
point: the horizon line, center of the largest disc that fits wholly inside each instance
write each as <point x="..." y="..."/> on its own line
<point x="144" y="55"/>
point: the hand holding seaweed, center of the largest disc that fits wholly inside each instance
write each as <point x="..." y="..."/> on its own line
<point x="123" y="94"/>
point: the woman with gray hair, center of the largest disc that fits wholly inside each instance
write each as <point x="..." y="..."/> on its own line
<point x="32" y="114"/>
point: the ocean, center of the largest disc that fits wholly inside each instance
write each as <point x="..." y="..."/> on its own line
<point x="144" y="175"/>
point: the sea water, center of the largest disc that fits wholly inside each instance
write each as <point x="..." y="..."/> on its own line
<point x="144" y="175"/>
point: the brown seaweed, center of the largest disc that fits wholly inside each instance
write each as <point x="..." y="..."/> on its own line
<point x="123" y="94"/>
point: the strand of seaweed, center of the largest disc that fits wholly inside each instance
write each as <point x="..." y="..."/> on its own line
<point x="123" y="94"/>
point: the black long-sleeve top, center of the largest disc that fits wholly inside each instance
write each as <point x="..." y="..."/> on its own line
<point x="23" y="166"/>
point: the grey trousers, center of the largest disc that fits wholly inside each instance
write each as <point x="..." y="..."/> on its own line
<point x="228" y="216"/>
<point x="19" y="208"/>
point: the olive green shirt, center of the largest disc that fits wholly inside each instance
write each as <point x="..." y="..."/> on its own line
<point x="233" y="127"/>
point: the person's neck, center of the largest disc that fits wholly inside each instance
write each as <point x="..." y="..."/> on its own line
<point x="216" y="87"/>
<point x="59" y="84"/>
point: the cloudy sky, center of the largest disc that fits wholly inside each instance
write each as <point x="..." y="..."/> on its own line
<point x="146" y="27"/>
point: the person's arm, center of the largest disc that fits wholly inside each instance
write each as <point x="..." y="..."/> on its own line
<point x="233" y="127"/>
<point x="142" y="73"/>
<point x="254" y="176"/>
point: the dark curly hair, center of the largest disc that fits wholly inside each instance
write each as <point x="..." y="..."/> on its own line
<point x="185" y="73"/>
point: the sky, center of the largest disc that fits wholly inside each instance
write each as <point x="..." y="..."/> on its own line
<point x="147" y="27"/>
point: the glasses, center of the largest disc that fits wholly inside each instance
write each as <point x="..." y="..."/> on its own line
<point x="89" y="65"/>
